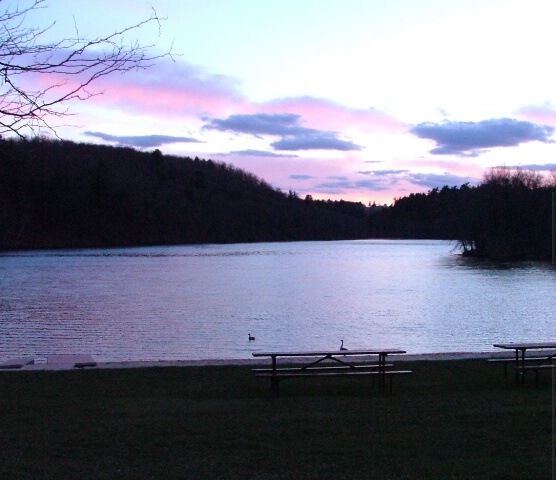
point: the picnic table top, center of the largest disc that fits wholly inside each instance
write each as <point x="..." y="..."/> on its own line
<point x="325" y="353"/>
<point x="525" y="345"/>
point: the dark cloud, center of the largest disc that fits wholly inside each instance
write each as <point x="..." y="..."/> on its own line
<point x="315" y="141"/>
<point x="340" y="185"/>
<point x="471" y="138"/>
<point x="531" y="166"/>
<point x="300" y="177"/>
<point x="433" y="180"/>
<point x="261" y="153"/>
<point x="294" y="137"/>
<point x="384" y="180"/>
<point x="382" y="173"/>
<point x="142" y="141"/>
<point x="259" y="124"/>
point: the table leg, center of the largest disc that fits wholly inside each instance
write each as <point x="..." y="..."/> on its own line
<point x="522" y="366"/>
<point x="274" y="381"/>
<point x="516" y="365"/>
<point x="382" y="370"/>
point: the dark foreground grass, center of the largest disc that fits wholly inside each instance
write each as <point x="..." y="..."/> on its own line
<point x="449" y="420"/>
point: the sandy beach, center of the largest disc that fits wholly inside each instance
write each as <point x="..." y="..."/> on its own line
<point x="40" y="364"/>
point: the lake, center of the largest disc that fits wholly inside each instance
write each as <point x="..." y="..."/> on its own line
<point x="201" y="301"/>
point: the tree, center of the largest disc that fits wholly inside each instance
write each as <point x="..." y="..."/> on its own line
<point x="71" y="65"/>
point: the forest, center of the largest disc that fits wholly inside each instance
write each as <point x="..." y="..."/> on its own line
<point x="61" y="194"/>
<point x="507" y="216"/>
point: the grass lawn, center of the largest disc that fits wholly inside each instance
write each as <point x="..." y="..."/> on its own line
<point x="449" y="420"/>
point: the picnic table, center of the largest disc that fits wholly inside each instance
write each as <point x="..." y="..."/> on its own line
<point x="346" y="362"/>
<point x="521" y="357"/>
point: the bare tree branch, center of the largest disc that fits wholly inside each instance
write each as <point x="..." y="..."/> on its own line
<point x="69" y="65"/>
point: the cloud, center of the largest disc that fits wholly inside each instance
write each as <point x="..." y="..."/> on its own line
<point x="301" y="177"/>
<point x="172" y="90"/>
<point x="545" y="114"/>
<point x="286" y="125"/>
<point x="382" y="180"/>
<point x="340" y="185"/>
<point x="315" y="141"/>
<point x="326" y="115"/>
<point x="382" y="173"/>
<point x="142" y="141"/>
<point x="178" y="89"/>
<point x="467" y="139"/>
<point x="259" y="124"/>
<point x="434" y="180"/>
<point x="260" y="153"/>
<point x="547" y="166"/>
<point x="531" y="166"/>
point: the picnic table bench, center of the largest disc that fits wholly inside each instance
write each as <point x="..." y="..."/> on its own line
<point x="336" y="364"/>
<point x="511" y="361"/>
<point x="522" y="363"/>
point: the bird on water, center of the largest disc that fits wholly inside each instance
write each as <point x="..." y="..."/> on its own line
<point x="342" y="346"/>
<point x="251" y="339"/>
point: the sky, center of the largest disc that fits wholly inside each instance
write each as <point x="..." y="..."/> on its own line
<point x="361" y="100"/>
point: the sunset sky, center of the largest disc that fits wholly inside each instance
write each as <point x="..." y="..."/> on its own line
<point x="362" y="100"/>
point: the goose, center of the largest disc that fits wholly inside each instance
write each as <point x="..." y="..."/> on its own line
<point x="342" y="346"/>
<point x="251" y="338"/>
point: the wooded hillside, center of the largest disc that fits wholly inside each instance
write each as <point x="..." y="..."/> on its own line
<point x="56" y="194"/>
<point x="59" y="194"/>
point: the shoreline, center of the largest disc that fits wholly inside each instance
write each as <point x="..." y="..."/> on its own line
<point x="43" y="366"/>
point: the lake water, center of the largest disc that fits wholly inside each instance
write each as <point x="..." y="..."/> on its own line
<point x="200" y="302"/>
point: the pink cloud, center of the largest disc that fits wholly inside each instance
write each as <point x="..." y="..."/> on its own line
<point x="167" y="90"/>
<point x="167" y="102"/>
<point x="174" y="89"/>
<point x="333" y="178"/>
<point x="543" y="114"/>
<point x="328" y="115"/>
<point x="177" y="89"/>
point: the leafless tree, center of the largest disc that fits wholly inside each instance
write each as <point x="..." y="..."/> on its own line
<point x="514" y="176"/>
<point x="551" y="181"/>
<point x="58" y="71"/>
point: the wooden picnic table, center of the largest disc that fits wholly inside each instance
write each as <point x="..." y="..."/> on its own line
<point x="520" y="354"/>
<point x="315" y="367"/>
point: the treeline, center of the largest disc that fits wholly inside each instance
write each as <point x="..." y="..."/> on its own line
<point x="507" y="216"/>
<point x="60" y="194"/>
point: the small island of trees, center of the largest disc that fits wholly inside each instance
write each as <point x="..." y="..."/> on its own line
<point x="507" y="216"/>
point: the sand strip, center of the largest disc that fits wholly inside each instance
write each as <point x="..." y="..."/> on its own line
<point x="40" y="366"/>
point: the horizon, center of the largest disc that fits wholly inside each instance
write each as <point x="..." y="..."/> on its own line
<point x="366" y="103"/>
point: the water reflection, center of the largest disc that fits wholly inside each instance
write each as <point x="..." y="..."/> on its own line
<point x="196" y="302"/>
